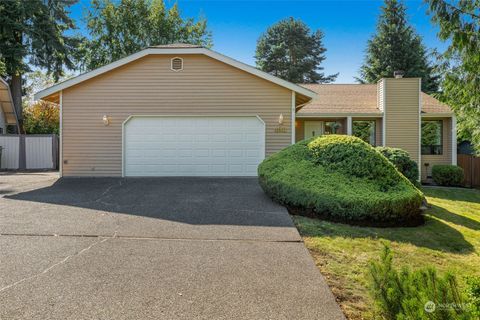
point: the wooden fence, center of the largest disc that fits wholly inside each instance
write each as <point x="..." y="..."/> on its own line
<point x="33" y="151"/>
<point x="471" y="167"/>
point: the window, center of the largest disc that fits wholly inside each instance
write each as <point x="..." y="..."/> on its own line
<point x="332" y="127"/>
<point x="365" y="130"/>
<point x="432" y="137"/>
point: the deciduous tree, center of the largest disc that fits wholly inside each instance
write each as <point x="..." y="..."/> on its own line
<point x="120" y="28"/>
<point x="41" y="117"/>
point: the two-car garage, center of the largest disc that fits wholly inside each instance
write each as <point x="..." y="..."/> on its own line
<point x="144" y="116"/>
<point x="193" y="145"/>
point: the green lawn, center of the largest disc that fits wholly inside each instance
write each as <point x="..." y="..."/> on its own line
<point x="450" y="240"/>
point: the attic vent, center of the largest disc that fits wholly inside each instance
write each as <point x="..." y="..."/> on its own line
<point x="177" y="64"/>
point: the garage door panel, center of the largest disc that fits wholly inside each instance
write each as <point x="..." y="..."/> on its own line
<point x="193" y="146"/>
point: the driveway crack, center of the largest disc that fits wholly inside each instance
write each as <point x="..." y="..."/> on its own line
<point x="61" y="262"/>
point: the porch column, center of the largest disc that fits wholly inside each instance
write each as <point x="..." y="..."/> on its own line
<point x="454" y="140"/>
<point x="349" y="126"/>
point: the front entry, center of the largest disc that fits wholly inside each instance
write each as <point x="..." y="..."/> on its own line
<point x="314" y="129"/>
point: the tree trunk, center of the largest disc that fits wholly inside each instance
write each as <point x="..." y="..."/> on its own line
<point x="16" y="89"/>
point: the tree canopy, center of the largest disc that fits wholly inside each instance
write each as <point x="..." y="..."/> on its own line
<point x="459" y="22"/>
<point x="396" y="46"/>
<point x="120" y="28"/>
<point x="289" y="50"/>
<point x="2" y="67"/>
<point x="41" y="117"/>
<point x="33" y="34"/>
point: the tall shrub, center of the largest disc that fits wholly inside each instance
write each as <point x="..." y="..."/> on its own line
<point x="402" y="161"/>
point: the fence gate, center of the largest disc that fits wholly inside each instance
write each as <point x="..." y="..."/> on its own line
<point x="35" y="151"/>
<point x="471" y="167"/>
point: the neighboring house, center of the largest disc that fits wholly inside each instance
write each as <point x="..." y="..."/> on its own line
<point x="393" y="112"/>
<point x="183" y="110"/>
<point x="8" y="114"/>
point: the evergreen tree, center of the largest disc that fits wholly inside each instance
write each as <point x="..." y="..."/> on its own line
<point x="120" y="28"/>
<point x="396" y="46"/>
<point x="290" y="50"/>
<point x="32" y="34"/>
<point x="2" y="67"/>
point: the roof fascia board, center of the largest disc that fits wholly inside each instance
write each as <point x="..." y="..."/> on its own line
<point x="437" y="115"/>
<point x="339" y="115"/>
<point x="175" y="51"/>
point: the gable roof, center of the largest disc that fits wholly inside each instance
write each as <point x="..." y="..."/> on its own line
<point x="357" y="99"/>
<point x="6" y="103"/>
<point x="179" y="49"/>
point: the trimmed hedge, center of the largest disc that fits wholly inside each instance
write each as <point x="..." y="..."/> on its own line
<point x="447" y="175"/>
<point x="401" y="160"/>
<point x="341" y="178"/>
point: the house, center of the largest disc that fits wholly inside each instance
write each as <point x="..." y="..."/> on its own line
<point x="8" y="115"/>
<point x="184" y="110"/>
<point x="394" y="113"/>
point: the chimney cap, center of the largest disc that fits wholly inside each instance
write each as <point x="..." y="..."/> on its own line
<point x="398" y="74"/>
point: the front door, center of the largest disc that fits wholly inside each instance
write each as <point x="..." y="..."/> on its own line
<point x="313" y="129"/>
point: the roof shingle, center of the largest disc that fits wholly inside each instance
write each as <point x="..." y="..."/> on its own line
<point x="356" y="99"/>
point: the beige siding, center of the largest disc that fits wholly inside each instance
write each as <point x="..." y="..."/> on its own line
<point x="380" y="100"/>
<point x="402" y="121"/>
<point x="148" y="87"/>
<point x="446" y="157"/>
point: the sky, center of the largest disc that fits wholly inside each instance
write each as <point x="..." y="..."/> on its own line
<point x="236" y="25"/>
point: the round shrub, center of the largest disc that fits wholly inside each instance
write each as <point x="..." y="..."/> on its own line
<point x="401" y="160"/>
<point x="447" y="175"/>
<point x="341" y="178"/>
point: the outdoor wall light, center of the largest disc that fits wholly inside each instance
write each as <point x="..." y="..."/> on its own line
<point x="105" y="120"/>
<point x="280" y="119"/>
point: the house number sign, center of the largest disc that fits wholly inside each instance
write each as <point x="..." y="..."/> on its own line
<point x="280" y="129"/>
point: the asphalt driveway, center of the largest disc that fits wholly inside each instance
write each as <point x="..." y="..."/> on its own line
<point x="170" y="248"/>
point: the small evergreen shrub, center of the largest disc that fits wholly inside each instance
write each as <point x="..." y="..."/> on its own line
<point x="420" y="294"/>
<point x="473" y="295"/>
<point x="447" y="175"/>
<point x="341" y="178"/>
<point x="401" y="160"/>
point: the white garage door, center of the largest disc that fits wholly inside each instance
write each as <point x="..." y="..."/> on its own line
<point x="193" y="146"/>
